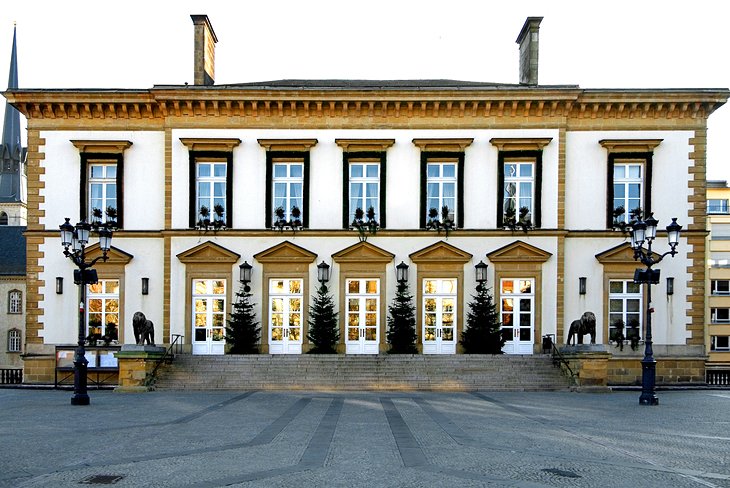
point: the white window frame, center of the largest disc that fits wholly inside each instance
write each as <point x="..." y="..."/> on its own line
<point x="105" y="182"/>
<point x="14" y="340"/>
<point x="105" y="298"/>
<point x="211" y="182"/>
<point x="15" y="302"/>
<point x="720" y="315"/>
<point x="626" y="182"/>
<point x="288" y="181"/>
<point x="719" y="343"/>
<point x="720" y="287"/>
<point x="440" y="181"/>
<point x="717" y="206"/>
<point x="209" y="312"/>
<point x="363" y="182"/>
<point x="286" y="312"/>
<point x="362" y="296"/>
<point x="518" y="181"/>
<point x="624" y="296"/>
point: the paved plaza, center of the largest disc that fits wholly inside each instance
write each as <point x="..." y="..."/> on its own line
<point x="322" y="439"/>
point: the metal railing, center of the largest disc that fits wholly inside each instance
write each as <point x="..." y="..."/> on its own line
<point x="167" y="357"/>
<point x="559" y="360"/>
<point x="11" y="376"/>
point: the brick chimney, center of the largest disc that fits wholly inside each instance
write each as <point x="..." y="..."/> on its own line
<point x="529" y="41"/>
<point x="204" y="51"/>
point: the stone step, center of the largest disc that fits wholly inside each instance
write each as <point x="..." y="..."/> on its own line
<point x="339" y="372"/>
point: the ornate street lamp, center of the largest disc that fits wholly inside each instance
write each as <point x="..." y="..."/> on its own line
<point x="245" y="277"/>
<point x="481" y="272"/>
<point x="74" y="240"/>
<point x="401" y="273"/>
<point x="323" y="274"/>
<point x="645" y="232"/>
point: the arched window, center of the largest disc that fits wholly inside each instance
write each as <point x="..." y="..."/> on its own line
<point x="15" y="301"/>
<point x="13" y="340"/>
<point x="3" y="218"/>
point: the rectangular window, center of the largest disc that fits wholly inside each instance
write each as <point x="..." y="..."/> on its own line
<point x="441" y="188"/>
<point x="720" y="287"/>
<point x="13" y="340"/>
<point x="629" y="186"/>
<point x="101" y="186"/>
<point x="102" y="309"/>
<point x="717" y="206"/>
<point x="720" y="315"/>
<point x="720" y="343"/>
<point x="624" y="310"/>
<point x="519" y="189"/>
<point x="439" y="316"/>
<point x="288" y="189"/>
<point x="364" y="188"/>
<point x="209" y="316"/>
<point x="211" y="182"/>
<point x="519" y="177"/>
<point x="211" y="186"/>
<point x="15" y="302"/>
<point x="517" y="314"/>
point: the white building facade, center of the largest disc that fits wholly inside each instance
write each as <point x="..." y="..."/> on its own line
<point x="568" y="155"/>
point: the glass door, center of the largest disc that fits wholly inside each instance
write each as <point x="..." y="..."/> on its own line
<point x="439" y="316"/>
<point x="209" y="316"/>
<point x="363" y="317"/>
<point x="285" y="316"/>
<point x="517" y="303"/>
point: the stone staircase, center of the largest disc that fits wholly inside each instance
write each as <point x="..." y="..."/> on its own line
<point x="384" y="372"/>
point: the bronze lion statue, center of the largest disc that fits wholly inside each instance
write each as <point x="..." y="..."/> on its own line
<point x="144" y="330"/>
<point x="578" y="328"/>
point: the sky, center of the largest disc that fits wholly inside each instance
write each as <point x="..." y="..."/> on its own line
<point x="607" y="44"/>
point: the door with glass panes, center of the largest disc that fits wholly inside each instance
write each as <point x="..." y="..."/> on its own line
<point x="285" y="316"/>
<point x="517" y="309"/>
<point x="439" y="316"/>
<point x="362" y="299"/>
<point x="209" y="316"/>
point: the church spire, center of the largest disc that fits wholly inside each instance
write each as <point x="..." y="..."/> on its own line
<point x="12" y="154"/>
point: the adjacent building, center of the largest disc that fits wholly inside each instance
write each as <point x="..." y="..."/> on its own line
<point x="524" y="177"/>
<point x="718" y="283"/>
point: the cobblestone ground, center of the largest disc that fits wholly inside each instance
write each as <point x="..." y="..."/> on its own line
<point x="287" y="439"/>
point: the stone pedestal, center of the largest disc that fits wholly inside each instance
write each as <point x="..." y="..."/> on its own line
<point x="136" y="363"/>
<point x="589" y="362"/>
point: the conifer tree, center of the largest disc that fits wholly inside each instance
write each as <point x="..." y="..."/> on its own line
<point x="324" y="334"/>
<point x="482" y="334"/>
<point x="243" y="331"/>
<point x="402" y="322"/>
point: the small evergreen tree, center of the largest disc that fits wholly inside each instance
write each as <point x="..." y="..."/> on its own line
<point x="483" y="333"/>
<point x="243" y="331"/>
<point x="402" y="322"/>
<point x="324" y="334"/>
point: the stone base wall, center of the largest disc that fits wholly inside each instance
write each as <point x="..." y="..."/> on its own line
<point x="39" y="369"/>
<point x="669" y="371"/>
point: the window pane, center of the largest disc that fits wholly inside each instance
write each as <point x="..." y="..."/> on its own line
<point x="203" y="170"/>
<point x="634" y="171"/>
<point x="616" y="286"/>
<point x="526" y="170"/>
<point x="433" y="170"/>
<point x="356" y="170"/>
<point x="449" y="170"/>
<point x="295" y="286"/>
<point x="371" y="286"/>
<point x="295" y="171"/>
<point x="353" y="286"/>
<point x="280" y="171"/>
<point x="371" y="190"/>
<point x="372" y="170"/>
<point x="510" y="170"/>
<point x="219" y="189"/>
<point x="632" y="287"/>
<point x="219" y="170"/>
<point x="619" y="172"/>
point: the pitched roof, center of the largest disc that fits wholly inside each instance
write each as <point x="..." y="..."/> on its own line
<point x="12" y="250"/>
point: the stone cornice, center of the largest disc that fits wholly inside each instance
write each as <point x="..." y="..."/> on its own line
<point x="520" y="144"/>
<point x="210" y="144"/>
<point x="630" y="145"/>
<point x="101" y="146"/>
<point x="371" y="105"/>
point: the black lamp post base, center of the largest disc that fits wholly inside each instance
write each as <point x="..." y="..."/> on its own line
<point x="80" y="399"/>
<point x="648" y="383"/>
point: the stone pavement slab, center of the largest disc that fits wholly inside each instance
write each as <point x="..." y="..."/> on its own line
<point x="350" y="439"/>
